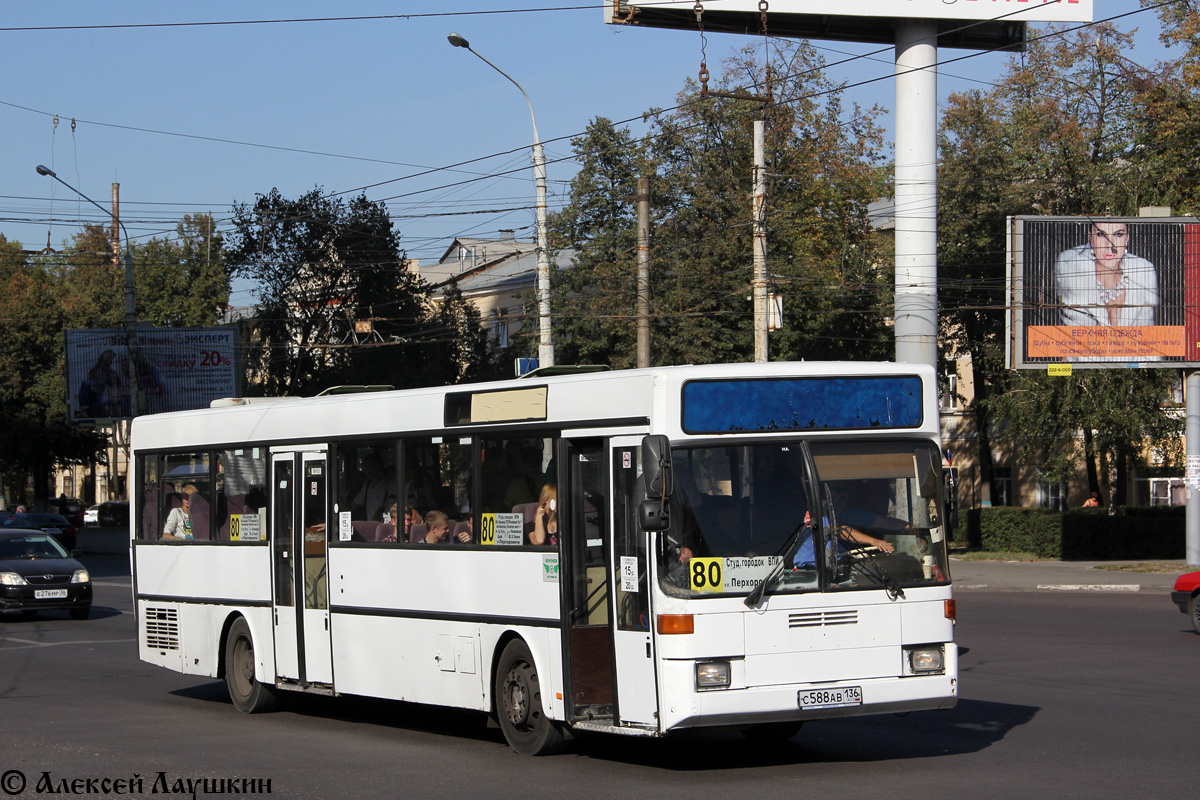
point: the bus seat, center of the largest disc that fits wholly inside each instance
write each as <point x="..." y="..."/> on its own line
<point x="459" y="527"/>
<point x="150" y="529"/>
<point x="384" y="531"/>
<point x="199" y="514"/>
<point x="528" y="510"/>
<point x="365" y="528"/>
<point x="417" y="532"/>
<point x="235" y="504"/>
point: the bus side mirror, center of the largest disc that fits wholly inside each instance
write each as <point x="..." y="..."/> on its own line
<point x="656" y="466"/>
<point x="653" y="515"/>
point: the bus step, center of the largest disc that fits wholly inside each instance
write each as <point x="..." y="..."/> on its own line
<point x="608" y="727"/>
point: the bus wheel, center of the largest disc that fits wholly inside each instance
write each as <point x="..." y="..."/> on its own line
<point x="248" y="695"/>
<point x="519" y="704"/>
<point x="767" y="732"/>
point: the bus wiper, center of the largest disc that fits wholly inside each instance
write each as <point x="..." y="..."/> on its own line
<point x="872" y="568"/>
<point x="787" y="553"/>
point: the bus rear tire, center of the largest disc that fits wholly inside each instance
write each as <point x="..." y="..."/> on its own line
<point x="519" y="704"/>
<point x="248" y="695"/>
<point x="771" y="732"/>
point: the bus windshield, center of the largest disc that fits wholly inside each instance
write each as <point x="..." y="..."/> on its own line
<point x="856" y="515"/>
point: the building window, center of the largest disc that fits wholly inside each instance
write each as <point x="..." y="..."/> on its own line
<point x="1051" y="495"/>
<point x="1002" y="486"/>
<point x="950" y="398"/>
<point x="500" y="329"/>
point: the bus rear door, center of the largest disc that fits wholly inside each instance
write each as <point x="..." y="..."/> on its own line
<point x="302" y="640"/>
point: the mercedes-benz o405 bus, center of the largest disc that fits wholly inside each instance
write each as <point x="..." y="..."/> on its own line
<point x="636" y="552"/>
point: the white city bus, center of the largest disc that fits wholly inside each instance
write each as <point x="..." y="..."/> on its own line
<point x="741" y="545"/>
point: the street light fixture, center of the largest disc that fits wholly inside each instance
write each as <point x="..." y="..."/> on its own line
<point x="545" y="343"/>
<point x="130" y="315"/>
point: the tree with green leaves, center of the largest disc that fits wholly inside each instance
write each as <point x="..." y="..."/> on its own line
<point x="336" y="304"/>
<point x="823" y="257"/>
<point x="1056" y="135"/>
<point x="36" y="305"/>
<point x="182" y="281"/>
<point x="595" y="238"/>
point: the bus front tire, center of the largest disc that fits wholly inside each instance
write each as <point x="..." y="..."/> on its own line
<point x="519" y="704"/>
<point x="247" y="693"/>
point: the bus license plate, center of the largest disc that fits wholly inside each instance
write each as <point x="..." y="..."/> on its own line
<point x="830" y="698"/>
<point x="48" y="594"/>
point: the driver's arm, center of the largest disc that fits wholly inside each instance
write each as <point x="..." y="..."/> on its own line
<point x="855" y="535"/>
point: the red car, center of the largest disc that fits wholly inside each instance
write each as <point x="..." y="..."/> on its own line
<point x="1187" y="596"/>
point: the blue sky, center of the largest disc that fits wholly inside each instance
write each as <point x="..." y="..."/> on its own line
<point x="192" y="119"/>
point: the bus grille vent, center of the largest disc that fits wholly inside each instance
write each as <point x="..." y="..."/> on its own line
<point x="162" y="628"/>
<point x="816" y="619"/>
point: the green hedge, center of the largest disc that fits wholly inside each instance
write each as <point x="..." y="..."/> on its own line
<point x="1078" y="534"/>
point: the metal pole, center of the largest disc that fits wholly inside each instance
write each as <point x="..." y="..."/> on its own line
<point x="643" y="273"/>
<point x="916" y="192"/>
<point x="131" y="343"/>
<point x="1192" y="467"/>
<point x="545" y="341"/>
<point x="759" y="282"/>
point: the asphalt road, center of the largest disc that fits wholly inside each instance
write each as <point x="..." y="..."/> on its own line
<point x="1065" y="693"/>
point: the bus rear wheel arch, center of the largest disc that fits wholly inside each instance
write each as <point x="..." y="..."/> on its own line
<point x="519" y="708"/>
<point x="248" y="694"/>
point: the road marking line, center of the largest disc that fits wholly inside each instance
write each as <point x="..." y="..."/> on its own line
<point x="31" y="643"/>
<point x="1092" y="587"/>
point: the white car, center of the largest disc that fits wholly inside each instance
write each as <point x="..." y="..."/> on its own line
<point x="92" y="516"/>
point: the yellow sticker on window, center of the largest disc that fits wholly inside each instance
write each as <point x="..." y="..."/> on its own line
<point x="706" y="574"/>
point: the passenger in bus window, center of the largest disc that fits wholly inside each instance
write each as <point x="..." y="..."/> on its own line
<point x="544" y="527"/>
<point x="439" y="527"/>
<point x="179" y="522"/>
<point x="373" y="494"/>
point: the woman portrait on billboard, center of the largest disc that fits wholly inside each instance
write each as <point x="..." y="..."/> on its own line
<point x="1102" y="283"/>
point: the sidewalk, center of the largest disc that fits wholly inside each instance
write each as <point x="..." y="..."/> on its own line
<point x="1056" y="576"/>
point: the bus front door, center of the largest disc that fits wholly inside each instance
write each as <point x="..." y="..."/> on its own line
<point x="302" y="641"/>
<point x="633" y="644"/>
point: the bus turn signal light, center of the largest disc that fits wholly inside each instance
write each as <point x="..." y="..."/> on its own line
<point x="676" y="623"/>
<point x="951" y="610"/>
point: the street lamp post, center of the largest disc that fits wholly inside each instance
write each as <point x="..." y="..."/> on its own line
<point x="545" y="342"/>
<point x="130" y="315"/>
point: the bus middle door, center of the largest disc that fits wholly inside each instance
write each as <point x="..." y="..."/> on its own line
<point x="302" y="641"/>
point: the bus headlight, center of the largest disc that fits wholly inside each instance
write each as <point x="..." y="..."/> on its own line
<point x="712" y="675"/>
<point x="926" y="659"/>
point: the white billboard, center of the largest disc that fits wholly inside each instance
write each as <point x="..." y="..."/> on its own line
<point x="177" y="369"/>
<point x="1012" y="10"/>
<point x="990" y="24"/>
